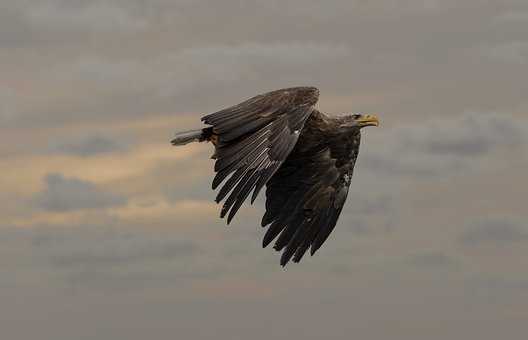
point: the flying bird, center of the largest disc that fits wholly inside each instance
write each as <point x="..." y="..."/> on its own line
<point x="304" y="157"/>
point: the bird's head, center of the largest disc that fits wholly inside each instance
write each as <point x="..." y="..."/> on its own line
<point x="360" y="121"/>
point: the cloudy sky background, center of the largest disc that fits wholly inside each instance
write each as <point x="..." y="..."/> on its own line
<point x="108" y="232"/>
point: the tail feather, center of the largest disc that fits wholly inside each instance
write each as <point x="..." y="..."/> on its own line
<point x="187" y="137"/>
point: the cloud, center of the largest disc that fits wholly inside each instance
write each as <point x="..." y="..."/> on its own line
<point x="177" y="64"/>
<point x="366" y="213"/>
<point x="44" y="23"/>
<point x="441" y="146"/>
<point x="128" y="68"/>
<point x="371" y="205"/>
<point x="181" y="80"/>
<point x="63" y="194"/>
<point x="496" y="288"/>
<point x="473" y="134"/>
<point x="495" y="231"/>
<point x="89" y="146"/>
<point x="99" y="256"/>
<point x="95" y="16"/>
<point x="8" y="99"/>
<point x="515" y="52"/>
<point x="431" y="260"/>
<point x="191" y="70"/>
<point x="95" y="246"/>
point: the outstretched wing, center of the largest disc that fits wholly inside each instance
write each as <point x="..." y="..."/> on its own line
<point x="303" y="202"/>
<point x="254" y="138"/>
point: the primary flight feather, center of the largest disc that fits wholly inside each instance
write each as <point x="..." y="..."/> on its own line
<point x="304" y="157"/>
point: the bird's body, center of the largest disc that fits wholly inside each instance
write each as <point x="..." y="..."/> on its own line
<point x="304" y="157"/>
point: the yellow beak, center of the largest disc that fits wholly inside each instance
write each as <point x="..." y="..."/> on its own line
<point x="368" y="120"/>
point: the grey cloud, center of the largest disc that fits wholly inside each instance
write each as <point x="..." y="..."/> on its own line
<point x="100" y="256"/>
<point x="192" y="72"/>
<point x="473" y="134"/>
<point x="8" y="102"/>
<point x="495" y="231"/>
<point x="496" y="288"/>
<point x="93" y="246"/>
<point x="185" y="80"/>
<point x="94" y="16"/>
<point x="366" y="205"/>
<point x="368" y="214"/>
<point x="153" y="250"/>
<point x="420" y="64"/>
<point x="359" y="226"/>
<point x="502" y="285"/>
<point x="444" y="145"/>
<point x="89" y="146"/>
<point x="431" y="260"/>
<point x="512" y="16"/>
<point x="14" y="30"/>
<point x="515" y="52"/>
<point x="27" y="23"/>
<point x="68" y="194"/>
<point x="399" y="59"/>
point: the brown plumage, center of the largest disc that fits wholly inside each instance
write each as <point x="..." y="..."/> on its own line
<point x="303" y="157"/>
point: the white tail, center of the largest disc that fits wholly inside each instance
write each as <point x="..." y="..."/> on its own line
<point x="187" y="137"/>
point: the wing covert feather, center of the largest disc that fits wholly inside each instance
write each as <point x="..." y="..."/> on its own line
<point x="254" y="138"/>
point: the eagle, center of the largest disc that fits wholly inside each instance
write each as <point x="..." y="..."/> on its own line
<point x="304" y="157"/>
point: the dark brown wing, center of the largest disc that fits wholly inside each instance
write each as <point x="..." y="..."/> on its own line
<point x="254" y="138"/>
<point x="304" y="200"/>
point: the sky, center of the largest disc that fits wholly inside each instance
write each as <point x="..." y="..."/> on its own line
<point x="108" y="232"/>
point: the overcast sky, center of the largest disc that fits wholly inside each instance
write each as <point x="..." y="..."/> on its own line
<point x="108" y="232"/>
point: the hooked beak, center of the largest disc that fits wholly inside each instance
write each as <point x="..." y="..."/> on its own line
<point x="368" y="120"/>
